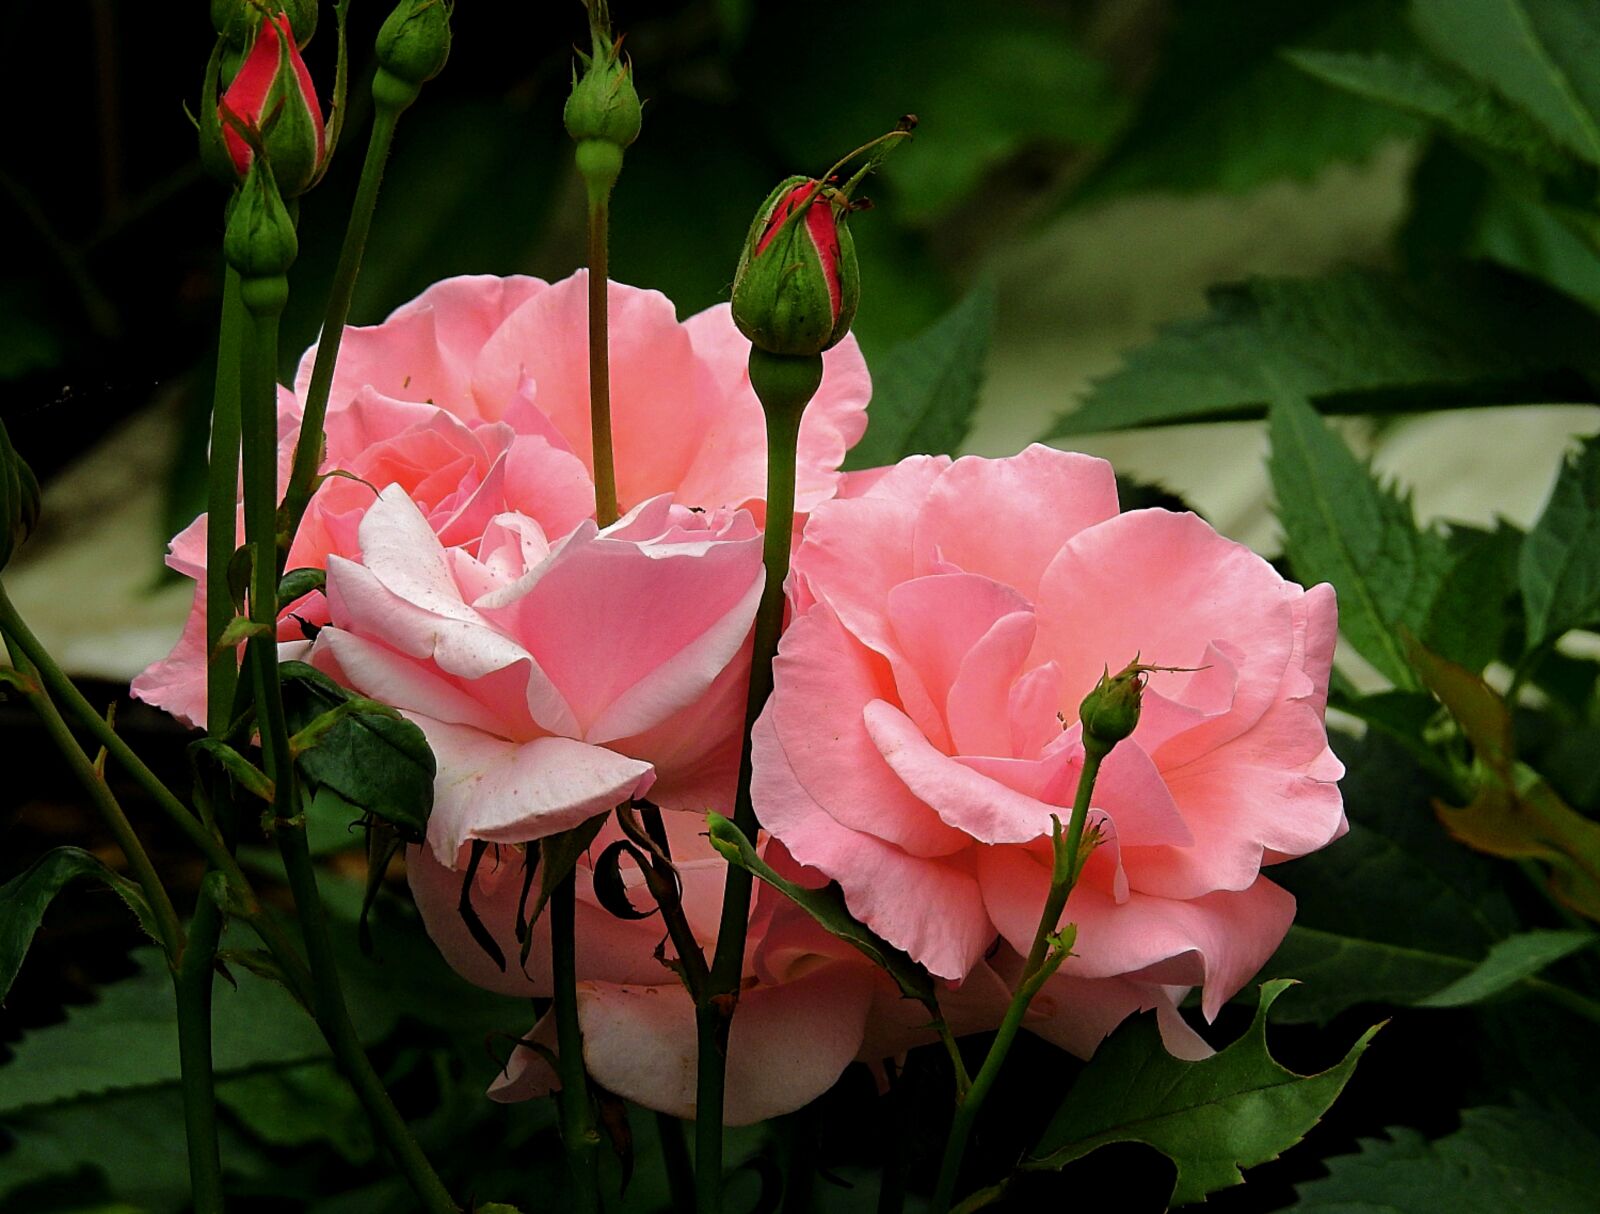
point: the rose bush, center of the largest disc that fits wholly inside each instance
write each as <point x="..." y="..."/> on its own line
<point x="473" y="398"/>
<point x="948" y="620"/>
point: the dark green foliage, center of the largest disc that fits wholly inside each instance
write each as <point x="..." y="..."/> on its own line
<point x="1236" y="1109"/>
<point x="1358" y="342"/>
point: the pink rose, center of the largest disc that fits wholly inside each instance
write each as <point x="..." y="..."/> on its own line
<point x="949" y="618"/>
<point x="473" y="398"/>
<point x="555" y="676"/>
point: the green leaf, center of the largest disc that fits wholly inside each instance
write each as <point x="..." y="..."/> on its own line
<point x="1238" y="1108"/>
<point x="925" y="391"/>
<point x="24" y="899"/>
<point x="298" y="1106"/>
<point x="297" y="583"/>
<point x="1469" y="614"/>
<point x="1480" y="118"/>
<point x="129" y="1038"/>
<point x="827" y="907"/>
<point x="1226" y="112"/>
<point x="130" y="1145"/>
<point x="1341" y="526"/>
<point x="376" y="760"/>
<point x="1539" y="54"/>
<point x="1499" y="1160"/>
<point x="1510" y="961"/>
<point x="1361" y="341"/>
<point x="1560" y="562"/>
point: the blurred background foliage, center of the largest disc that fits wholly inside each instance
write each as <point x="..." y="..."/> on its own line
<point x="1414" y="188"/>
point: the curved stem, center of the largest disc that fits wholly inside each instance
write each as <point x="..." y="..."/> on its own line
<point x="1044" y="958"/>
<point x="194" y="1016"/>
<point x="605" y="472"/>
<point x="62" y="690"/>
<point x="578" y="1133"/>
<point x="308" y="450"/>
<point x="784" y="398"/>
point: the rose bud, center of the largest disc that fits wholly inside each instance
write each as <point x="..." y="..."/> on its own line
<point x="273" y="97"/>
<point x="1110" y="712"/>
<point x="412" y="47"/>
<point x="603" y="114"/>
<point x="797" y="286"/>
<point x="260" y="241"/>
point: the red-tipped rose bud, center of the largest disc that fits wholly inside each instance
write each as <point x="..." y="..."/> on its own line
<point x="273" y="100"/>
<point x="797" y="286"/>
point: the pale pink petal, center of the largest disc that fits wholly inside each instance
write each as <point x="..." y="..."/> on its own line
<point x="1007" y="518"/>
<point x="820" y="743"/>
<point x="509" y="792"/>
<point x="967" y="800"/>
<point x="177" y="683"/>
<point x="660" y="392"/>
<point x="788" y="1043"/>
<point x="1163" y="587"/>
<point x="931" y="908"/>
<point x="672" y="619"/>
<point x="426" y="349"/>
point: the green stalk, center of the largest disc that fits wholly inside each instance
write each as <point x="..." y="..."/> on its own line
<point x="222" y="498"/>
<point x="166" y="917"/>
<point x="578" y="1132"/>
<point x="785" y="386"/>
<point x="192" y="987"/>
<point x="605" y="473"/>
<point x="1044" y="959"/>
<point x="327" y="993"/>
<point x="387" y="108"/>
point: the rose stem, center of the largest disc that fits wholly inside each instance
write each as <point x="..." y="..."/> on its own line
<point x="260" y="426"/>
<point x="209" y="844"/>
<point x="578" y="1133"/>
<point x="1044" y="958"/>
<point x="605" y="474"/>
<point x="194" y="1019"/>
<point x="785" y="385"/>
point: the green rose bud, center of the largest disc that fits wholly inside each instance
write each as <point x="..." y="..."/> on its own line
<point x="797" y="285"/>
<point x="604" y="106"/>
<point x="260" y="241"/>
<point x="412" y="48"/>
<point x="1110" y="712"/>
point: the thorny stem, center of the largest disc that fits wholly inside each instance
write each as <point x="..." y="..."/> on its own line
<point x="1049" y="951"/>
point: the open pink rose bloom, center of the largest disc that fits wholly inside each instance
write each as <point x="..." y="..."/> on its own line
<point x="946" y="621"/>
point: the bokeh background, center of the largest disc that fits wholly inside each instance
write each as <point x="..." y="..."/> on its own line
<point x="1084" y="168"/>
